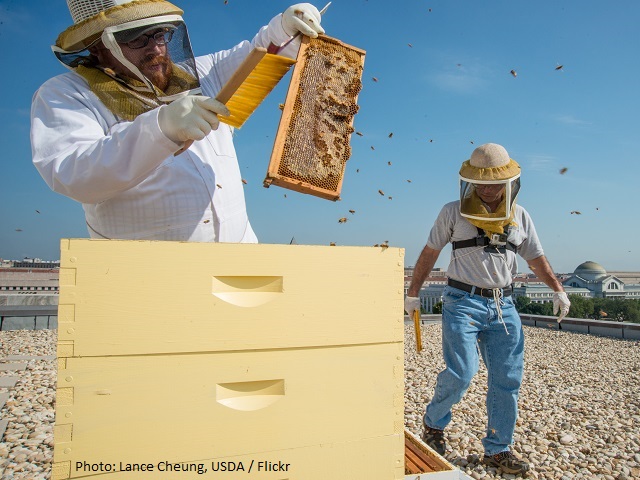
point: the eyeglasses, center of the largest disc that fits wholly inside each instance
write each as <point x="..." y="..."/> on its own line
<point x="488" y="186"/>
<point x="161" y="37"/>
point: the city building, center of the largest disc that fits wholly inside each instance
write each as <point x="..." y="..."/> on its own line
<point x="589" y="280"/>
<point x="35" y="284"/>
<point x="593" y="277"/>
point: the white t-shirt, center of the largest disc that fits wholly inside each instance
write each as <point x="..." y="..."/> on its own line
<point x="475" y="266"/>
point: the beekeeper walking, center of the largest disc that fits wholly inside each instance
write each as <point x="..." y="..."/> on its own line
<point x="486" y="229"/>
<point x="106" y="132"/>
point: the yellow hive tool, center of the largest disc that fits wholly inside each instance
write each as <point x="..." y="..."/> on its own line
<point x="416" y="324"/>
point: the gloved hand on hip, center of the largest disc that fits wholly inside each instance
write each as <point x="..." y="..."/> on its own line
<point x="303" y="18"/>
<point x="411" y="304"/>
<point x="190" y="118"/>
<point x="561" y="304"/>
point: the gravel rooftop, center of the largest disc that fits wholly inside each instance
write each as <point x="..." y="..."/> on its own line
<point x="579" y="406"/>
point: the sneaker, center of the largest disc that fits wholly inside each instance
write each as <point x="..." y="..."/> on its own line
<point x="507" y="461"/>
<point x="435" y="439"/>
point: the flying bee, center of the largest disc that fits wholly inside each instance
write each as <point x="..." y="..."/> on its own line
<point x="342" y="220"/>
<point x="563" y="170"/>
<point x="514" y="73"/>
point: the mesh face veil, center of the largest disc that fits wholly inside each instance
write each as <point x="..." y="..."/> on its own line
<point x="178" y="57"/>
<point x="134" y="54"/>
<point x="489" y="177"/>
<point x="469" y="198"/>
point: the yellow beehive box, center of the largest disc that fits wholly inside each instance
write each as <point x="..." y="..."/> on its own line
<point x="278" y="361"/>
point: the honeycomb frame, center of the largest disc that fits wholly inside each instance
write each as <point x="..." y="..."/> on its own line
<point x="312" y="144"/>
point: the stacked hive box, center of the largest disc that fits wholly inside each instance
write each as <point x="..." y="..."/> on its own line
<point x="282" y="362"/>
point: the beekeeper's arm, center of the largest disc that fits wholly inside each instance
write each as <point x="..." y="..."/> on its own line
<point x="561" y="304"/>
<point x="421" y="271"/>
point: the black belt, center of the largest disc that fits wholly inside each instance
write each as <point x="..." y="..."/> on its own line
<point x="483" y="292"/>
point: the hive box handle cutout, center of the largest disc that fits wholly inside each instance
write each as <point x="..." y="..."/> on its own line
<point x="247" y="291"/>
<point x="249" y="396"/>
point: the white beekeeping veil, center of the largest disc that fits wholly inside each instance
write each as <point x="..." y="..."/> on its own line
<point x="489" y="165"/>
<point x="128" y="22"/>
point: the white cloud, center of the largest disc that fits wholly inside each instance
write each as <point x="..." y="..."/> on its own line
<point x="569" y="120"/>
<point x="454" y="72"/>
<point x="538" y="162"/>
<point x="457" y="82"/>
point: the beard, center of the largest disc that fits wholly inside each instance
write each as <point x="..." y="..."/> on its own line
<point x="157" y="69"/>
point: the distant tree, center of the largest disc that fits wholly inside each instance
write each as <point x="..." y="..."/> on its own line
<point x="522" y="303"/>
<point x="581" y="307"/>
<point x="437" y="308"/>
<point x="525" y="305"/>
<point x="619" y="310"/>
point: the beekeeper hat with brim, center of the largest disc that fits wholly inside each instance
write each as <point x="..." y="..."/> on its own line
<point x="114" y="21"/>
<point x="489" y="164"/>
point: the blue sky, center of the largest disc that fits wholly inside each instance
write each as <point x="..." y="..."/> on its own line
<point x="443" y="82"/>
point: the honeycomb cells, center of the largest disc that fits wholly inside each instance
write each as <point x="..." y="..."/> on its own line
<point x="316" y="147"/>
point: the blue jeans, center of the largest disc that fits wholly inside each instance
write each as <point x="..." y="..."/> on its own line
<point x="470" y="323"/>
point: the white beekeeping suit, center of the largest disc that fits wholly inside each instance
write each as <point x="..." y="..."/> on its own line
<point x="105" y="133"/>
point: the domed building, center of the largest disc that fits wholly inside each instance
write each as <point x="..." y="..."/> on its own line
<point x="594" y="277"/>
<point x="589" y="279"/>
<point x="590" y="271"/>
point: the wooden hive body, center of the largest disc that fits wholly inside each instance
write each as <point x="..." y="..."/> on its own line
<point x="312" y="144"/>
<point x="224" y="355"/>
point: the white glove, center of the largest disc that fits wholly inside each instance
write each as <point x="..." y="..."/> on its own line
<point x="190" y="118"/>
<point x="411" y="304"/>
<point x="303" y="18"/>
<point x="561" y="304"/>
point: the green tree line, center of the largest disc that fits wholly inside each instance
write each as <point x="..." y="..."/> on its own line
<point x="616" y="310"/>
